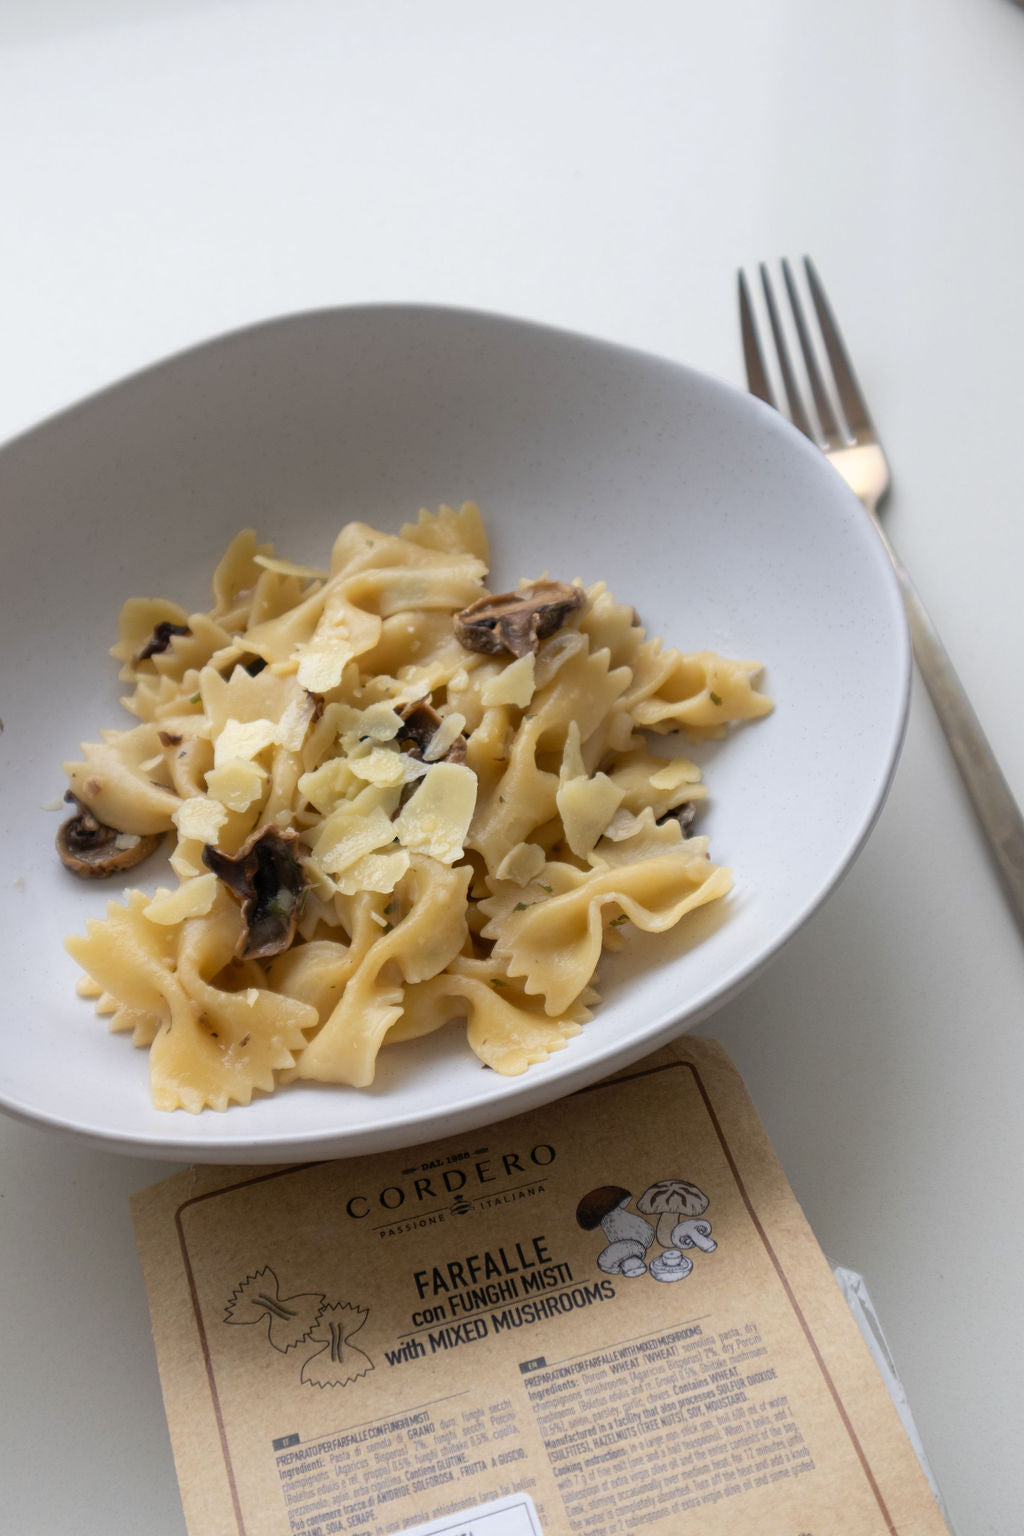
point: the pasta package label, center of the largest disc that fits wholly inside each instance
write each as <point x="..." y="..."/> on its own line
<point x="607" y="1315"/>
<point x="390" y="799"/>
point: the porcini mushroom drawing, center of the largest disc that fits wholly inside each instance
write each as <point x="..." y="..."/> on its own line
<point x="670" y="1199"/>
<point x="629" y="1236"/>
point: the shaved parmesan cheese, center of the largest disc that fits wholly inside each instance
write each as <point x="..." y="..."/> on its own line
<point x="192" y="899"/>
<point x="450" y="728"/>
<point x="522" y="863"/>
<point x="325" y="786"/>
<point x="380" y="722"/>
<point x="294" y="723"/>
<point x="348" y="834"/>
<point x="379" y="766"/>
<point x="200" y="818"/>
<point x="436" y="818"/>
<point x="379" y="872"/>
<point x="243" y="739"/>
<point x="514" y="684"/>
<point x="586" y="806"/>
<point x="237" y="784"/>
<point x="343" y="633"/>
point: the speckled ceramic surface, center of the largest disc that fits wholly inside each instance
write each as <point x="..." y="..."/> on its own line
<point x="695" y="503"/>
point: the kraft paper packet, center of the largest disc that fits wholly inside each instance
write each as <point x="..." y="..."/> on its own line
<point x="608" y="1315"/>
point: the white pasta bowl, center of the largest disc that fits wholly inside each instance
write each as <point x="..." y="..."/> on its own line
<point x="724" y="527"/>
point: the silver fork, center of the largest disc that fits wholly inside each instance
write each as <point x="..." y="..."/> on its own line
<point x="853" y="446"/>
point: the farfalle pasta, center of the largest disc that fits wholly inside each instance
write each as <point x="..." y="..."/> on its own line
<point x="396" y="800"/>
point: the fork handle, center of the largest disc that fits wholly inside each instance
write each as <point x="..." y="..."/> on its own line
<point x="991" y="796"/>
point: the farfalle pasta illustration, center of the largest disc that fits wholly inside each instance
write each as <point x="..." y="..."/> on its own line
<point x="396" y="799"/>
<point x="337" y="1361"/>
<point x="290" y="1319"/>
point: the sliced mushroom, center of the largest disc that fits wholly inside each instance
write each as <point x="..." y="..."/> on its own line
<point x="268" y="879"/>
<point x="94" y="851"/>
<point x="685" y="814"/>
<point x="160" y="639"/>
<point x="517" y="621"/>
<point x="420" y="724"/>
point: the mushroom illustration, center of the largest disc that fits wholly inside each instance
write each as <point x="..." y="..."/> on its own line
<point x="671" y="1265"/>
<point x="693" y="1234"/>
<point x="629" y="1236"/>
<point x="670" y="1199"/>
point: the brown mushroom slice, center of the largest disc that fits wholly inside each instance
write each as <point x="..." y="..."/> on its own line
<point x="685" y="814"/>
<point x="517" y="621"/>
<point x="668" y="1199"/>
<point x="94" y="851"/>
<point x="269" y="881"/>
<point x="420" y="724"/>
<point x="160" y="640"/>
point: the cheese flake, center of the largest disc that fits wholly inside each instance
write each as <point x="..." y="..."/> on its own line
<point x="348" y="834"/>
<point x="236" y="784"/>
<point x="435" y="820"/>
<point x="522" y="863"/>
<point x="194" y="898"/>
<point x="378" y="872"/>
<point x="243" y="739"/>
<point x="200" y="818"/>
<point x="294" y="722"/>
<point x="378" y="765"/>
<point x="514" y="684"/>
<point x="448" y="731"/>
<point x="328" y="784"/>
<point x="343" y="633"/>
<point x="586" y="806"/>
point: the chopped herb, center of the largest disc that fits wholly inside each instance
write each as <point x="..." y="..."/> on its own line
<point x="617" y="922"/>
<point x="501" y="799"/>
<point x="498" y="981"/>
<point x="195" y="698"/>
<point x="521" y="906"/>
<point x="543" y="887"/>
<point x="714" y="698"/>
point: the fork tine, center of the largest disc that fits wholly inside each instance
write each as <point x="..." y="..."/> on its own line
<point x="797" y="414"/>
<point x="822" y="404"/>
<point x="757" y="375"/>
<point x="855" y="410"/>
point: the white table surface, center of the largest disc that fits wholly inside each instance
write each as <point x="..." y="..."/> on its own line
<point x="175" y="168"/>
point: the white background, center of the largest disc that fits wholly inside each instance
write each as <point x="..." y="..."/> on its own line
<point x="172" y="169"/>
